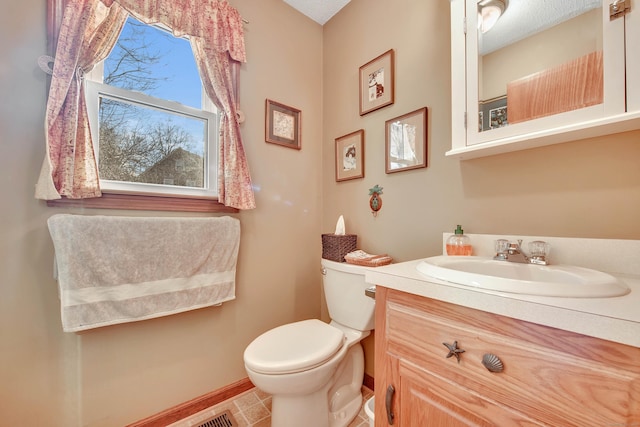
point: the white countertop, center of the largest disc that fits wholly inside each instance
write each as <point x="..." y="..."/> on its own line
<point x="614" y="319"/>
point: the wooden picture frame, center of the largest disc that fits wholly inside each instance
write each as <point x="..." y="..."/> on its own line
<point x="406" y="141"/>
<point x="493" y="113"/>
<point x="283" y="125"/>
<point x="350" y="156"/>
<point x="377" y="83"/>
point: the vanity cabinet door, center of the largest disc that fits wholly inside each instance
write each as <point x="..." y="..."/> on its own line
<point x="549" y="377"/>
<point x="531" y="82"/>
<point x="429" y="399"/>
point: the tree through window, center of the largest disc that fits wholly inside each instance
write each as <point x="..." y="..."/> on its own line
<point x="153" y="127"/>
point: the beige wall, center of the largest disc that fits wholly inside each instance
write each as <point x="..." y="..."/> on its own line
<point x="587" y="188"/>
<point x="117" y="375"/>
<point x="120" y="374"/>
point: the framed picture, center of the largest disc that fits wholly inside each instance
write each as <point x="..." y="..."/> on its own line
<point x="406" y="141"/>
<point x="377" y="83"/>
<point x="282" y="124"/>
<point x="350" y="156"/>
<point x="498" y="117"/>
<point x="493" y="113"/>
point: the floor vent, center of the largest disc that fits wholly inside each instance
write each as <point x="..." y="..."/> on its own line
<point x="225" y="419"/>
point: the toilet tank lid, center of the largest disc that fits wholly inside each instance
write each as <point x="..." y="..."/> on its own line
<point x="293" y="347"/>
<point x="343" y="266"/>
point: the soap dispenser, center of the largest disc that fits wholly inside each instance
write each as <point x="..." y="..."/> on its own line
<point x="458" y="243"/>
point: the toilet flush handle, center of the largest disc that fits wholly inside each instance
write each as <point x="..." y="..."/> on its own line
<point x="371" y="292"/>
<point x="323" y="271"/>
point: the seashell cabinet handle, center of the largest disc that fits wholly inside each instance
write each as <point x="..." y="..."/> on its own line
<point x="492" y="362"/>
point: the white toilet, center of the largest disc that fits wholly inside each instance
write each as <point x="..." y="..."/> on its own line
<point x="312" y="369"/>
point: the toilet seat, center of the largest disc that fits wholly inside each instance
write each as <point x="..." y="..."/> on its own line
<point x="294" y="347"/>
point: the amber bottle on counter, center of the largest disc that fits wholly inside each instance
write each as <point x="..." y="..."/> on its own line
<point x="458" y="243"/>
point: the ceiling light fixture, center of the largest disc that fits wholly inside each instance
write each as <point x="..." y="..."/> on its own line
<point x="489" y="11"/>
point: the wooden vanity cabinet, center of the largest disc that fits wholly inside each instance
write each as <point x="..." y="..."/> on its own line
<point x="550" y="377"/>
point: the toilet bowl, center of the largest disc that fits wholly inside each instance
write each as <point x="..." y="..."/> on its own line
<point x="312" y="369"/>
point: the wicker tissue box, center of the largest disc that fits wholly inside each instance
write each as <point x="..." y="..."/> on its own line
<point x="335" y="247"/>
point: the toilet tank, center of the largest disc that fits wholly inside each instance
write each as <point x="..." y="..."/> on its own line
<point x="344" y="288"/>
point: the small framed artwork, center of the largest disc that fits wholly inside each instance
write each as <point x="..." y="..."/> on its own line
<point x="498" y="117"/>
<point x="283" y="125"/>
<point x="406" y="141"/>
<point x="493" y="113"/>
<point x="350" y="156"/>
<point x="377" y="83"/>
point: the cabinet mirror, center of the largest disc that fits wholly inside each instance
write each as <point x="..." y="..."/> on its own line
<point x="530" y="73"/>
<point x="537" y="59"/>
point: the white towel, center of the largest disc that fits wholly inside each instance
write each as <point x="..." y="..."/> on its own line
<point x="122" y="269"/>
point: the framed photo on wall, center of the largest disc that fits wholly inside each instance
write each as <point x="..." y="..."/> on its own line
<point x="493" y="113"/>
<point x="406" y="141"/>
<point x="377" y="83"/>
<point x="282" y="125"/>
<point x="350" y="156"/>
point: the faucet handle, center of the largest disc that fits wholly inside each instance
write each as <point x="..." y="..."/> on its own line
<point x="501" y="247"/>
<point x="538" y="252"/>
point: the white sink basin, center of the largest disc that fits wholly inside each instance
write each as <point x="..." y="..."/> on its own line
<point x="528" y="279"/>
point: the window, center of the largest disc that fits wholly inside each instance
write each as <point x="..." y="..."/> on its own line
<point x="154" y="129"/>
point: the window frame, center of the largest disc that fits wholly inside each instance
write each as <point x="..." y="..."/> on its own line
<point x="94" y="91"/>
<point x="144" y="203"/>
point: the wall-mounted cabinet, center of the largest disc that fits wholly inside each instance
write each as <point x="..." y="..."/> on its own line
<point x="545" y="73"/>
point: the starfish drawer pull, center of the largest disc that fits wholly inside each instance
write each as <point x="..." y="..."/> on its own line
<point x="453" y="350"/>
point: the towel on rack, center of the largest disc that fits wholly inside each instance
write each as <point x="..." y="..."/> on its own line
<point x="114" y="270"/>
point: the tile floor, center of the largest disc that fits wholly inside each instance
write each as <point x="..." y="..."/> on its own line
<point x="253" y="409"/>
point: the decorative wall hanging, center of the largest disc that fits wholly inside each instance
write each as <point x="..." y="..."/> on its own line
<point x="406" y="142"/>
<point x="350" y="156"/>
<point x="282" y="125"/>
<point x="377" y="83"/>
<point x="375" y="202"/>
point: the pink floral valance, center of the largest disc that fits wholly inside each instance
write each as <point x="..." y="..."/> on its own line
<point x="215" y="21"/>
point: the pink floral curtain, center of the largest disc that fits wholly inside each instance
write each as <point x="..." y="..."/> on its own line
<point x="217" y="38"/>
<point x="234" y="181"/>
<point x="88" y="32"/>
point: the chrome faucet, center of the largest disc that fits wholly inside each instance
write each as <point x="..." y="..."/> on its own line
<point x="512" y="252"/>
<point x="515" y="253"/>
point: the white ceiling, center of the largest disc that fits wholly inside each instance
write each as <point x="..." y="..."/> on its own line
<point x="318" y="10"/>
<point x="521" y="19"/>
